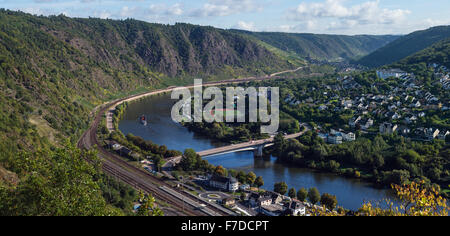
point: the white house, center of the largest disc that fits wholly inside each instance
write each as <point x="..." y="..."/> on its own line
<point x="443" y="134"/>
<point x="350" y="137"/>
<point x="224" y="183"/>
<point x="334" y="139"/>
<point x="388" y="128"/>
<point x="396" y="73"/>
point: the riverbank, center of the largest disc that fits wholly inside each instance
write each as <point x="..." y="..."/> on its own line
<point x="162" y="130"/>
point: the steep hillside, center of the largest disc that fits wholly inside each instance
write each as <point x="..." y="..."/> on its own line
<point x="323" y="47"/>
<point x="55" y="70"/>
<point x="182" y="49"/>
<point x="438" y="53"/>
<point x="405" y="46"/>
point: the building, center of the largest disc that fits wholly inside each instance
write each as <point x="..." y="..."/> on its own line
<point x="244" y="187"/>
<point x="354" y="121"/>
<point x="388" y="128"/>
<point x="350" y="137"/>
<point x="295" y="208"/>
<point x="396" y="73"/>
<point x="367" y="124"/>
<point x="272" y="210"/>
<point x="443" y="135"/>
<point x="258" y="200"/>
<point x="229" y="184"/>
<point x="264" y="199"/>
<point x="431" y="133"/>
<point x="404" y="130"/>
<point x="125" y="152"/>
<point x="229" y="202"/>
<point x="334" y="139"/>
<point x="347" y="103"/>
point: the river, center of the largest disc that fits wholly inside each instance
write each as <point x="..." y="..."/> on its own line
<point x="351" y="193"/>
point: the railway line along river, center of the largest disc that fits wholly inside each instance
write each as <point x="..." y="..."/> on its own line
<point x="351" y="193"/>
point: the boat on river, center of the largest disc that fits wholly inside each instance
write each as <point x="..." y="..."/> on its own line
<point x="143" y="120"/>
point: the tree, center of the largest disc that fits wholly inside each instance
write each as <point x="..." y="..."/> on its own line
<point x="148" y="207"/>
<point x="280" y="188"/>
<point x="279" y="145"/>
<point x="292" y="193"/>
<point x="399" y="177"/>
<point x="251" y="178"/>
<point x="329" y="201"/>
<point x="302" y="194"/>
<point x="416" y="199"/>
<point x="313" y="195"/>
<point x="378" y="160"/>
<point x="158" y="160"/>
<point x="241" y="177"/>
<point x="220" y="171"/>
<point x="57" y="182"/>
<point x="233" y="173"/>
<point x="259" y="181"/>
<point x="189" y="160"/>
<point x="243" y="196"/>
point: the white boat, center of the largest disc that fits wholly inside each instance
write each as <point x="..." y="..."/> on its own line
<point x="143" y="120"/>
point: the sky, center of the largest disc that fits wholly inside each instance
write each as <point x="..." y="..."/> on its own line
<point x="348" y="17"/>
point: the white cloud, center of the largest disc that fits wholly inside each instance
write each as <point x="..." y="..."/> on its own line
<point x="176" y="10"/>
<point x="34" y="11"/>
<point x="250" y="26"/>
<point x="360" y="14"/>
<point x="104" y="15"/>
<point x="163" y="9"/>
<point x="227" y="7"/>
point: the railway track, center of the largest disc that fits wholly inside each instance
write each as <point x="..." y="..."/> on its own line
<point x="132" y="175"/>
<point x="140" y="179"/>
<point x="124" y="177"/>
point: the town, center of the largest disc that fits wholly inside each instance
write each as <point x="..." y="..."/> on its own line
<point x="401" y="109"/>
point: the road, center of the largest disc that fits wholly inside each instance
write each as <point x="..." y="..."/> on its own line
<point x="138" y="178"/>
<point x="287" y="71"/>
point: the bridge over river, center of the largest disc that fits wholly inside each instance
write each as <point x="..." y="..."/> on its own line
<point x="256" y="146"/>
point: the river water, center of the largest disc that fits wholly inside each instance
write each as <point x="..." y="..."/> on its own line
<point x="351" y="193"/>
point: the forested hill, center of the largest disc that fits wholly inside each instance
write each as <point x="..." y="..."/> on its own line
<point x="55" y="70"/>
<point x="54" y="67"/>
<point x="438" y="53"/>
<point x="405" y="46"/>
<point x="323" y="47"/>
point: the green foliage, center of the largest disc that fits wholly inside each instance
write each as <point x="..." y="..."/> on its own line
<point x="148" y="206"/>
<point x="55" y="183"/>
<point x="313" y="195"/>
<point x="192" y="161"/>
<point x="406" y="46"/>
<point x="118" y="194"/>
<point x="251" y="178"/>
<point x="302" y="194"/>
<point x="150" y="149"/>
<point x="436" y="53"/>
<point x="322" y="47"/>
<point x="259" y="181"/>
<point x="292" y="193"/>
<point x="329" y="201"/>
<point x="280" y="188"/>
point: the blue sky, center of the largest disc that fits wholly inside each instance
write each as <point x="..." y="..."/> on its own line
<point x="311" y="16"/>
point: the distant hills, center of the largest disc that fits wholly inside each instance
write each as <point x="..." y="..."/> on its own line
<point x="55" y="70"/>
<point x="405" y="46"/>
<point x="417" y="63"/>
<point x="323" y="47"/>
